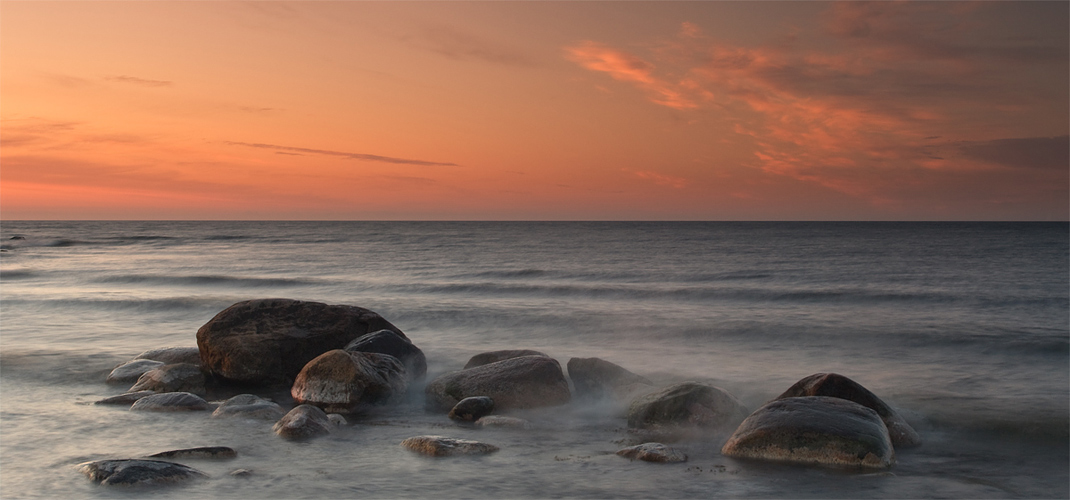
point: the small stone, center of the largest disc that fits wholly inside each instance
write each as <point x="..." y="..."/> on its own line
<point x="249" y="406"/>
<point x="202" y="452"/>
<point x="130" y="371"/>
<point x="303" y="422"/>
<point x="503" y="421"/>
<point x="472" y="409"/>
<point x="127" y="398"/>
<point x="171" y="401"/>
<point x="439" y="446"/>
<point x="137" y="472"/>
<point x="653" y="452"/>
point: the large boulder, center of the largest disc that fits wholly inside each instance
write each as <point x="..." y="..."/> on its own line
<point x="303" y="422"/>
<point x="440" y="446"/>
<point x="524" y="382"/>
<point x="597" y="378"/>
<point x="814" y="430"/>
<point x="137" y="472"/>
<point x="269" y="341"/>
<point x="389" y="342"/>
<point x="487" y="358"/>
<point x="182" y="377"/>
<point x="340" y="381"/>
<point x="171" y="401"/>
<point x="173" y="355"/>
<point x="686" y="405"/>
<point x="248" y="406"/>
<point x="131" y="371"/>
<point x="837" y="386"/>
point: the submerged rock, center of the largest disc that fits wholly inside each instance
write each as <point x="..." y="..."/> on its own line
<point x="202" y="452"/>
<point x="182" y="377"/>
<point x="173" y="355"/>
<point x="688" y="404"/>
<point x="524" y="382"/>
<point x="131" y="370"/>
<point x="171" y="401"/>
<point x="439" y="446"/>
<point x="127" y="398"/>
<point x="303" y="422"/>
<point x="597" y="378"/>
<point x="269" y="341"/>
<point x="348" y="382"/>
<point x="248" y="406"/>
<point x="137" y="472"/>
<point x="389" y="342"/>
<point x="472" y="409"/>
<point x="838" y="386"/>
<point x="653" y="452"/>
<point x="814" y="430"/>
<point x="487" y="358"/>
<point x="503" y="421"/>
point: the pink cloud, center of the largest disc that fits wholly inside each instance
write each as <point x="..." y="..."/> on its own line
<point x="662" y="180"/>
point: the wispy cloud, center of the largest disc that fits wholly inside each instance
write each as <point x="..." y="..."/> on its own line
<point x="630" y="68"/>
<point x="662" y="179"/>
<point x="343" y="154"/>
<point x="133" y="80"/>
<point x="460" y="45"/>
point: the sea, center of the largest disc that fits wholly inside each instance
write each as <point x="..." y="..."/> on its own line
<point x="963" y="327"/>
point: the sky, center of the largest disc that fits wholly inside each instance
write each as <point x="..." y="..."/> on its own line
<point x="535" y="110"/>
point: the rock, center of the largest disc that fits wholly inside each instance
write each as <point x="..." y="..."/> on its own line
<point x="336" y="419"/>
<point x="596" y="378"/>
<point x="241" y="472"/>
<point x="503" y="421"/>
<point x="389" y="342"/>
<point x="487" y="358"/>
<point x="472" y="409"/>
<point x="137" y="472"/>
<point x="248" y="406"/>
<point x="203" y="452"/>
<point x="439" y="446"/>
<point x="339" y="381"/>
<point x="182" y="377"/>
<point x="653" y="452"/>
<point x="130" y="371"/>
<point x="303" y="422"/>
<point x="269" y="341"/>
<point x="171" y="401"/>
<point x="124" y="399"/>
<point x="173" y="355"/>
<point x="687" y="404"/>
<point x="524" y="382"/>
<point x="814" y="430"/>
<point x="838" y="386"/>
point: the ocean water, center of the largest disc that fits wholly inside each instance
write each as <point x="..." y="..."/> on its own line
<point x="963" y="327"/>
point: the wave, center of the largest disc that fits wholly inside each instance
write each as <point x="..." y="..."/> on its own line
<point x="169" y="304"/>
<point x="205" y="280"/>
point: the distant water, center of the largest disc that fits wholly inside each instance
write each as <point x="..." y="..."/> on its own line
<point x="961" y="326"/>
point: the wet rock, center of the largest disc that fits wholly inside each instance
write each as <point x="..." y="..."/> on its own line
<point x="171" y="401"/>
<point x="173" y="355"/>
<point x="838" y="386"/>
<point x="487" y="358"/>
<point x="241" y="472"/>
<point x="303" y="422"/>
<point x="688" y="404"/>
<point x="130" y="371"/>
<point x="248" y="406"/>
<point x="597" y="378"/>
<point x="339" y="381"/>
<point x="524" y="382"/>
<point x="389" y="342"/>
<point x="439" y="446"/>
<point x="269" y="341"/>
<point x="202" y="452"/>
<point x="336" y="419"/>
<point x="503" y="421"/>
<point x="127" y="398"/>
<point x="137" y="472"/>
<point x="182" y="377"/>
<point x="472" y="409"/>
<point x="653" y="452"/>
<point x="814" y="430"/>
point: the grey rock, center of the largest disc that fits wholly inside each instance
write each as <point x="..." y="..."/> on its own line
<point x="688" y="404"/>
<point x="487" y="358"/>
<point x="515" y="383"/>
<point x="814" y="430"/>
<point x="303" y="422"/>
<point x="137" y="472"/>
<point x="127" y="398"/>
<point x="336" y="419"/>
<point x="241" y="472"/>
<point x="597" y="378"/>
<point x="248" y="406"/>
<point x="131" y="370"/>
<point x="173" y="355"/>
<point x="472" y="409"/>
<point x="653" y="452"/>
<point x="389" y="342"/>
<point x="202" y="452"/>
<point x="339" y="381"/>
<point x="439" y="446"/>
<point x="182" y="377"/>
<point x="503" y="421"/>
<point x="171" y="401"/>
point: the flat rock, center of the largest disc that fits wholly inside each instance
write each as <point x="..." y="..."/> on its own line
<point x="303" y="422"/>
<point x="182" y="377"/>
<point x="596" y="378"/>
<point x="173" y="355"/>
<point x="202" y="452"/>
<point x="127" y="398"/>
<point x="137" y="472"/>
<point x="838" y="386"/>
<point x="248" y="406"/>
<point x="503" y="421"/>
<point x="340" y="381"/>
<point x="653" y="452"/>
<point x="688" y="404"/>
<point x="131" y="370"/>
<point x="487" y="358"/>
<point x="515" y="383"/>
<point x="171" y="401"/>
<point x="389" y="342"/>
<point x="269" y="341"/>
<point x="439" y="446"/>
<point x="472" y="409"/>
<point x="814" y="430"/>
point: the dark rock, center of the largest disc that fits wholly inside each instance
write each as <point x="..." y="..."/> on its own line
<point x="137" y="472"/>
<point x="125" y="399"/>
<point x="524" y="382"/>
<point x="248" y="406"/>
<point x="389" y="342"/>
<point x="349" y="382"/>
<point x="503" y="421"/>
<point x="814" y="430"/>
<point x="596" y="378"/>
<point x="472" y="409"/>
<point x="439" y="446"/>
<point x="182" y="377"/>
<point x="688" y="404"/>
<point x="171" y="401"/>
<point x="17" y="238"/>
<point x="173" y="355"/>
<point x="130" y="371"/>
<point x="838" y="386"/>
<point x="653" y="452"/>
<point x="202" y="452"/>
<point x="487" y="358"/>
<point x="269" y="341"/>
<point x="303" y="422"/>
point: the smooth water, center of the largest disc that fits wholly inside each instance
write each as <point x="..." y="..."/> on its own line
<point x="964" y="327"/>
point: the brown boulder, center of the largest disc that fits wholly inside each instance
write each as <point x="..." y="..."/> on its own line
<point x="524" y="382"/>
<point x="688" y="404"/>
<point x="439" y="446"/>
<point x="487" y="358"/>
<point x="303" y="422"/>
<point x="182" y="377"/>
<point x="339" y="381"/>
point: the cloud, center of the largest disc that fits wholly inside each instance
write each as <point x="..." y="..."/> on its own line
<point x="463" y="46"/>
<point x="1050" y="153"/>
<point x="662" y="180"/>
<point x="342" y="154"/>
<point x="133" y="80"/>
<point x="627" y="67"/>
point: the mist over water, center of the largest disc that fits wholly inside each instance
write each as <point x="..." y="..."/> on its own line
<point x="961" y="326"/>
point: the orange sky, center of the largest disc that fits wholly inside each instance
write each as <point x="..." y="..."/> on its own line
<point x="535" y="110"/>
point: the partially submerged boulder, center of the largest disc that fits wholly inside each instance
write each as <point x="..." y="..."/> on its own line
<point x="653" y="452"/>
<point x="269" y="341"/>
<point x="248" y="406"/>
<point x="303" y="422"/>
<point x="171" y="401"/>
<point x="471" y="409"/>
<point x="131" y="370"/>
<point x="339" y="381"/>
<point x="202" y="452"/>
<point x="487" y="358"/>
<point x="838" y="386"/>
<point x="688" y="404"/>
<point x="173" y="355"/>
<point x="503" y="421"/>
<point x="127" y="398"/>
<point x="523" y="382"/>
<point x="814" y="430"/>
<point x="596" y="378"/>
<point x="182" y="377"/>
<point x="389" y="342"/>
<point x="137" y="472"/>
<point x="439" y="446"/>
